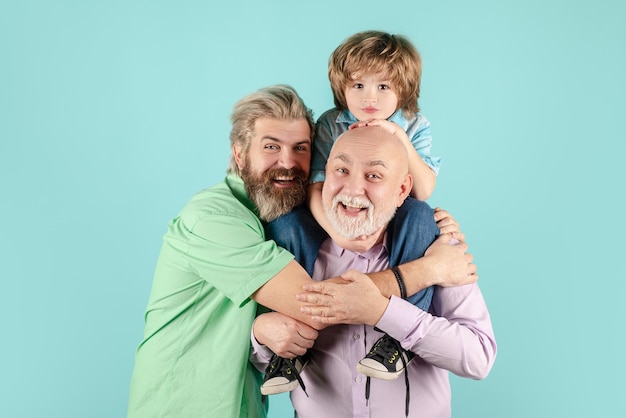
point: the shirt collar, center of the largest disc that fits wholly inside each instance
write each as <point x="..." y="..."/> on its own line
<point x="398" y="117"/>
<point x="345" y="116"/>
<point x="237" y="188"/>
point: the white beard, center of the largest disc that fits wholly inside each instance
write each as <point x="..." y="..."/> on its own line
<point x="353" y="227"/>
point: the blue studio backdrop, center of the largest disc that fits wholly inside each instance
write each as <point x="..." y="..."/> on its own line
<point x="113" y="113"/>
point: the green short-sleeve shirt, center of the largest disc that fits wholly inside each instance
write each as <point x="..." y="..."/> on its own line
<point x="193" y="360"/>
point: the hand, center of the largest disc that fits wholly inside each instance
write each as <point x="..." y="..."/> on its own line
<point x="450" y="264"/>
<point x="448" y="225"/>
<point x="351" y="299"/>
<point x="284" y="335"/>
<point x="391" y="127"/>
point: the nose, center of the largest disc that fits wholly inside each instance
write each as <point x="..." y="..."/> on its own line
<point x="370" y="95"/>
<point x="287" y="159"/>
<point x="354" y="185"/>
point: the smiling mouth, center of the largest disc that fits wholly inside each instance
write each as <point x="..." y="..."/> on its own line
<point x="284" y="180"/>
<point x="351" y="210"/>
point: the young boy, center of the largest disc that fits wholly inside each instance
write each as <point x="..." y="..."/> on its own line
<point x="375" y="78"/>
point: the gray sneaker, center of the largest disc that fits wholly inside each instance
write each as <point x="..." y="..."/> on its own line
<point x="386" y="360"/>
<point x="283" y="375"/>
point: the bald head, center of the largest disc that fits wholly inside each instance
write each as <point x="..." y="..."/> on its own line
<point x="370" y="142"/>
<point x="367" y="178"/>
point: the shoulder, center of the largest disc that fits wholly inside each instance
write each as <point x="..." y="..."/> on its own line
<point x="329" y="115"/>
<point x="416" y="120"/>
<point x="217" y="205"/>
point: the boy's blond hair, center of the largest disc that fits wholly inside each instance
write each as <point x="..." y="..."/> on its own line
<point x="372" y="52"/>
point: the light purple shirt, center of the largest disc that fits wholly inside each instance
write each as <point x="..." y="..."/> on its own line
<point x="456" y="335"/>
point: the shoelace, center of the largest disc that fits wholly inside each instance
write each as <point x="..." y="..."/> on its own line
<point x="281" y="366"/>
<point x="385" y="351"/>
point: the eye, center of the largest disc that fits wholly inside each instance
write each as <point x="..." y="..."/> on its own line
<point x="271" y="147"/>
<point x="384" y="87"/>
<point x="302" y="148"/>
<point x="358" y="86"/>
<point x="373" y="176"/>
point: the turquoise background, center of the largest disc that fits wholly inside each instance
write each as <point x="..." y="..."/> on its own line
<point x="113" y="113"/>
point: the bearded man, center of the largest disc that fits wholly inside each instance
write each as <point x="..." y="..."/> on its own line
<point x="215" y="265"/>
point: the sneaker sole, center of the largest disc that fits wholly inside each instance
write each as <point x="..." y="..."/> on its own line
<point x="378" y="374"/>
<point x="273" y="390"/>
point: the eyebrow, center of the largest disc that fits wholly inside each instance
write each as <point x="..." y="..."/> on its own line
<point x="271" y="138"/>
<point x="377" y="162"/>
<point x="346" y="159"/>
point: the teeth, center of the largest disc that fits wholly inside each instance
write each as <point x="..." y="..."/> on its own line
<point x="350" y="206"/>
<point x="284" y="178"/>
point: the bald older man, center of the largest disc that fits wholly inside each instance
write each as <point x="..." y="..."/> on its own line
<point x="367" y="179"/>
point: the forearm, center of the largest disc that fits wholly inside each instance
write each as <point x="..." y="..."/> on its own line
<point x="424" y="178"/>
<point x="414" y="274"/>
<point x="279" y="293"/>
<point x="459" y="339"/>
<point x="260" y="355"/>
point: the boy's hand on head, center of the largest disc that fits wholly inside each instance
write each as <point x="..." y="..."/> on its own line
<point x="391" y="127"/>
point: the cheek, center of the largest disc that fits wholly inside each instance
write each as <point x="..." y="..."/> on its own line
<point x="394" y="101"/>
<point x="351" y="97"/>
<point x="304" y="162"/>
<point x="329" y="191"/>
<point x="391" y="100"/>
<point x="381" y="197"/>
<point x="261" y="164"/>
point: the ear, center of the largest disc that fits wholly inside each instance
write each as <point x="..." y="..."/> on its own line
<point x="238" y="155"/>
<point x="405" y="189"/>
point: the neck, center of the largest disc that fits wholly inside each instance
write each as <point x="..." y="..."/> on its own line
<point x="363" y="243"/>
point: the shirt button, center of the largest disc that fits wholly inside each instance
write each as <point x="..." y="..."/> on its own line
<point x="356" y="336"/>
<point x="358" y="379"/>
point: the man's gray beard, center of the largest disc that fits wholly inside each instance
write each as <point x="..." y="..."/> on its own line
<point x="272" y="201"/>
<point x="352" y="228"/>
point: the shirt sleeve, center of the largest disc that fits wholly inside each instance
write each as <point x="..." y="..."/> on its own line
<point x="421" y="137"/>
<point x="241" y="259"/>
<point x="322" y="144"/>
<point x="457" y="335"/>
<point x="260" y="355"/>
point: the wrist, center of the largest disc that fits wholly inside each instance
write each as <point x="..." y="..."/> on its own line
<point x="400" y="281"/>
<point x="417" y="274"/>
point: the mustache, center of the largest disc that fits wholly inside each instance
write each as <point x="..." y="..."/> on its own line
<point x="296" y="174"/>
<point x="352" y="201"/>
